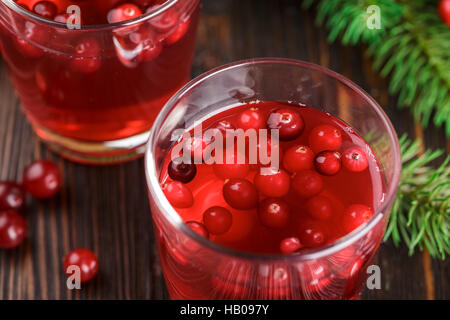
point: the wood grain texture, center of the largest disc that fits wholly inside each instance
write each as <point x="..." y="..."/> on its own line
<point x="106" y="208"/>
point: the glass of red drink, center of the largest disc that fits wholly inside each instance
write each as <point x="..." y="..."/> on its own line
<point x="306" y="224"/>
<point x="93" y="75"/>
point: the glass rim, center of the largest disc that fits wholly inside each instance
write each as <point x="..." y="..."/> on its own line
<point x="95" y="27"/>
<point x="157" y="195"/>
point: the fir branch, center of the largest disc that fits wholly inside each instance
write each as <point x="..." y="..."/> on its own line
<point x="421" y="211"/>
<point x="412" y="48"/>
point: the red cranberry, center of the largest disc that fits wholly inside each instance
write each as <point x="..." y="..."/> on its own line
<point x="178" y="194"/>
<point x="240" y="194"/>
<point x="298" y="158"/>
<point x="355" y="159"/>
<point x="180" y="171"/>
<point x="290" y="245"/>
<point x="198" y="228"/>
<point x="165" y="21"/>
<point x="13" y="229"/>
<point x="356" y="215"/>
<point x="217" y="220"/>
<point x="194" y="147"/>
<point x="42" y="179"/>
<point x="312" y="235"/>
<point x="178" y="33"/>
<point x="46" y="9"/>
<point x="251" y="119"/>
<point x="274" y="283"/>
<point x="232" y="168"/>
<point x="325" y="137"/>
<point x="145" y="38"/>
<point x="307" y="183"/>
<point x="86" y="56"/>
<point x="289" y="122"/>
<point x="328" y="162"/>
<point x="28" y="39"/>
<point x="273" y="183"/>
<point x="273" y="213"/>
<point x="444" y="11"/>
<point x="124" y="12"/>
<point x="12" y="196"/>
<point x="319" y="207"/>
<point x="84" y="259"/>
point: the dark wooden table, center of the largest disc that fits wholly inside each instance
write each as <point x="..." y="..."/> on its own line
<point x="106" y="208"/>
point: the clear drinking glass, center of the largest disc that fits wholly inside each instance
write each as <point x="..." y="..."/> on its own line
<point x="93" y="93"/>
<point x="196" y="268"/>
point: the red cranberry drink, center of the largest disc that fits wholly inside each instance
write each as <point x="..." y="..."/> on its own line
<point x="273" y="199"/>
<point x="86" y="90"/>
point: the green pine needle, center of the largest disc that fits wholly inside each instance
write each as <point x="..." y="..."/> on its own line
<point x="412" y="48"/>
<point x="421" y="212"/>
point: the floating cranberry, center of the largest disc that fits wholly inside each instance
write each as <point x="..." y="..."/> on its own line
<point x="180" y="171"/>
<point x="325" y="137"/>
<point x="328" y="162"/>
<point x="290" y="245"/>
<point x="312" y="235"/>
<point x="84" y="259"/>
<point x="289" y="123"/>
<point x="30" y="38"/>
<point x="178" y="194"/>
<point x="235" y="167"/>
<point x="164" y="21"/>
<point x="319" y="207"/>
<point x="273" y="213"/>
<point x="307" y="183"/>
<point x="217" y="220"/>
<point x="146" y="39"/>
<point x="273" y="183"/>
<point x="13" y="229"/>
<point x="355" y="215"/>
<point x="42" y="179"/>
<point x="178" y="33"/>
<point x="124" y="12"/>
<point x="355" y="159"/>
<point x="240" y="194"/>
<point x="46" y="9"/>
<point x="198" y="228"/>
<point x="12" y="196"/>
<point x="86" y="56"/>
<point x="251" y="119"/>
<point x="194" y="148"/>
<point x="298" y="158"/>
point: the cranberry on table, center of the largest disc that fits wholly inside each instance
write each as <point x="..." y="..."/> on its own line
<point x="273" y="213"/>
<point x="13" y="229"/>
<point x="289" y="123"/>
<point x="45" y="9"/>
<point x="217" y="220"/>
<point x="307" y="183"/>
<point x="297" y="158"/>
<point x="328" y="162"/>
<point x="312" y="235"/>
<point x="325" y="137"/>
<point x="124" y="12"/>
<point x="12" y="196"/>
<point x="251" y="119"/>
<point x="240" y="194"/>
<point x="180" y="171"/>
<point x="42" y="179"/>
<point x="319" y="207"/>
<point x="290" y="245"/>
<point x="198" y="228"/>
<point x="84" y="259"/>
<point x="355" y="159"/>
<point x="86" y="56"/>
<point x="178" y="194"/>
<point x="356" y="215"/>
<point x="272" y="183"/>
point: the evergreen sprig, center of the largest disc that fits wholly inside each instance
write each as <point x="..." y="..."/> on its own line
<point x="412" y="48"/>
<point x="421" y="211"/>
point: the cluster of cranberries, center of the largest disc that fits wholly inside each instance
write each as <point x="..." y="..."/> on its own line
<point x="134" y="44"/>
<point x="303" y="169"/>
<point x="42" y="180"/>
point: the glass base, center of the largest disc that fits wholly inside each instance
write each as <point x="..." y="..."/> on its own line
<point x="94" y="153"/>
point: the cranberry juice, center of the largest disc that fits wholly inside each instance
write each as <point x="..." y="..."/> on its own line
<point x="326" y="184"/>
<point x="100" y="84"/>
